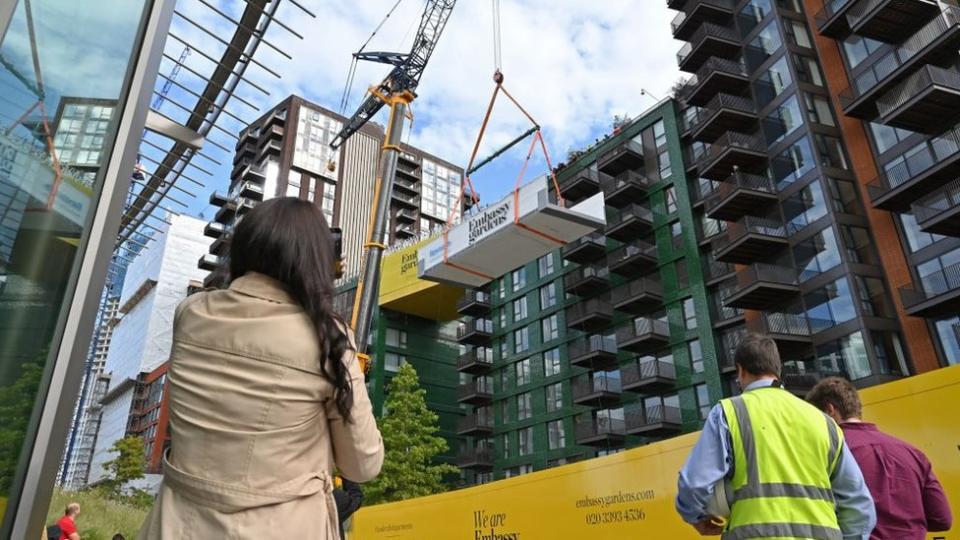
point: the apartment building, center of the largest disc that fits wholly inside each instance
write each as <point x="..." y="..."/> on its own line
<point x="286" y="152"/>
<point x="892" y="72"/>
<point x="607" y="343"/>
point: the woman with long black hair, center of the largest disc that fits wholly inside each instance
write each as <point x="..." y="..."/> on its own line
<point x="266" y="394"/>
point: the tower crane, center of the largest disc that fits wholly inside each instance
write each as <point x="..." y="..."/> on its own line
<point x="396" y="91"/>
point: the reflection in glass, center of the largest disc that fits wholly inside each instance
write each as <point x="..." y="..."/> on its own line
<point x="948" y="332"/>
<point x="805" y="207"/>
<point x="773" y="82"/>
<point x="845" y="357"/>
<point x="58" y="105"/>
<point x="817" y="254"/>
<point x="830" y="305"/>
<point x="791" y="164"/>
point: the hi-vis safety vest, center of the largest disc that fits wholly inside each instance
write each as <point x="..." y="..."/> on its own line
<point x="784" y="453"/>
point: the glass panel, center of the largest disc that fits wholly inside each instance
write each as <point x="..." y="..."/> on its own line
<point x="752" y="14"/>
<point x="830" y="305"/>
<point x="817" y="254"/>
<point x="53" y="152"/>
<point x="767" y="43"/>
<point x="783" y="121"/>
<point x="846" y="357"/>
<point x="804" y="208"/>
<point x="792" y="163"/>
<point x="948" y="332"/>
<point x="773" y="83"/>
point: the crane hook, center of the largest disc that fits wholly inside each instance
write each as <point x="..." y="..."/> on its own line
<point x="498" y="77"/>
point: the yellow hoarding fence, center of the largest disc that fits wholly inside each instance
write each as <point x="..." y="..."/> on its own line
<point x="630" y="495"/>
<point x="401" y="290"/>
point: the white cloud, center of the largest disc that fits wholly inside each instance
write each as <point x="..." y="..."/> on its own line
<point x="572" y="64"/>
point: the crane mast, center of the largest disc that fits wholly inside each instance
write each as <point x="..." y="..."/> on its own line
<point x="397" y="92"/>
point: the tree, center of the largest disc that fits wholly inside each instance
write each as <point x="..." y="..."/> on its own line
<point x="410" y="436"/>
<point x="129" y="465"/>
<point x="16" y="406"/>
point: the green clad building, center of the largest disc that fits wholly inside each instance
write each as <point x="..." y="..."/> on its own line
<point x="607" y="343"/>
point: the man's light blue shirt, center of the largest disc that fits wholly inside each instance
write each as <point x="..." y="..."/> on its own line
<point x="712" y="460"/>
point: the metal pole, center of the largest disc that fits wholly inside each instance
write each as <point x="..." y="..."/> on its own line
<point x="369" y="286"/>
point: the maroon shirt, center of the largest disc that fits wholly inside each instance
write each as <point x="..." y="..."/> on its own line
<point x="909" y="498"/>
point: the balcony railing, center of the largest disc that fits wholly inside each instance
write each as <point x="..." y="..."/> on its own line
<point x="720" y="102"/>
<point x="730" y="141"/>
<point x="643" y="335"/>
<point x="475" y="457"/>
<point x="482" y="326"/>
<point x="648" y="375"/>
<point x="886" y="70"/>
<point x="585" y="182"/>
<point x="712" y="67"/>
<point x="474" y="423"/>
<point x="926" y="101"/>
<point x="787" y="324"/>
<point x="408" y="199"/>
<point x="625" y="155"/>
<point x="768" y="232"/>
<point x="654" y="420"/>
<point x="590" y="314"/>
<point x="739" y="194"/>
<point x="760" y="286"/>
<point x="638" y="296"/>
<point x="939" y="212"/>
<point x="936" y="164"/>
<point x="594" y="383"/>
<point x="588" y="431"/>
<point x="887" y="20"/>
<point x="770" y="273"/>
<point x="631" y="258"/>
<point x="477" y="358"/>
<point x="480" y="300"/>
<point x="937" y="294"/>
<point x="478" y="387"/>
<point x="832" y="20"/>
<point x="706" y="31"/>
<point x="587" y="349"/>
<point x="680" y="20"/>
<point x="586" y="248"/>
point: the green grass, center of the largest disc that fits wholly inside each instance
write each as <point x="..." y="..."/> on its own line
<point x="100" y="518"/>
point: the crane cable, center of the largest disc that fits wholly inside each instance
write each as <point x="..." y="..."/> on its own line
<point x="497" y="58"/>
<point x="351" y="73"/>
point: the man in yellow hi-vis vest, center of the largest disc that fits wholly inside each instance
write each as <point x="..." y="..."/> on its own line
<point x="781" y="463"/>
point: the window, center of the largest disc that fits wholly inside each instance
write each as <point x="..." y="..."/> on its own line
<point x="328" y="202"/>
<point x="683" y="276"/>
<point x="858" y="48"/>
<point x="393" y="361"/>
<point x="524" y="406"/>
<point x="753" y="14"/>
<point x="798" y="34"/>
<point x="503" y="288"/>
<point x="505" y="411"/>
<point x="858" y="246"/>
<point x="526" y="441"/>
<point x="808" y="70"/>
<point x="506" y="446"/>
<point x="545" y="265"/>
<point x="554" y="394"/>
<point x="689" y="314"/>
<point x="938" y="275"/>
<point x="830" y="305"/>
<point x="792" y="164"/>
<point x="670" y="194"/>
<point x="804" y="207"/>
<point x="886" y="137"/>
<point x="663" y="162"/>
<point x="524" y="469"/>
<point x="846" y="356"/>
<point x="502" y="316"/>
<point x="396" y="338"/>
<point x="676" y="236"/>
<point x="874" y="301"/>
<point x="696" y="356"/>
<point x="817" y="254"/>
<point x="520" y="309"/>
<point x="522" y="369"/>
<point x="767" y="43"/>
<point x="548" y="296"/>
<point x="504" y="349"/>
<point x="948" y="333"/>
<point x="504" y="379"/>
<point x="843" y="197"/>
<point x="550" y="327"/>
<point x="783" y="121"/>
<point x="659" y="134"/>
<point x="556" y="438"/>
<point x="916" y="238"/>
<point x="831" y="151"/>
<point x="773" y="82"/>
<point x="519" y="278"/>
<point x="703" y="400"/>
<point x="551" y="362"/>
<point x="521" y="340"/>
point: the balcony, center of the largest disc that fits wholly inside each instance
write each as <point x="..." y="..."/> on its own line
<point x="937" y="295"/>
<point x="596" y="352"/>
<point x="245" y="205"/>
<point x="218" y="199"/>
<point x="724" y="113"/>
<point x="478" y="361"/>
<point x="635" y="259"/>
<point x="248" y="149"/>
<point x="654" y="421"/>
<point x="475" y="332"/>
<point x="643" y="335"/>
<point x="648" y="376"/>
<point x="219" y="246"/>
<point x="409" y="187"/>
<point x="921" y="173"/>
<point x="740" y="195"/>
<point x="585" y="250"/>
<point x="590" y="315"/>
<point x="731" y="152"/>
<point x="587" y="280"/>
<point x="597" y="390"/>
<point x="750" y="240"/>
<point x="694" y="13"/>
<point x="407" y="216"/>
<point x="939" y="212"/>
<point x="214" y="230"/>
<point x="676" y="4"/>
<point x="724" y="316"/>
<point x="629" y="223"/>
<point x="584" y="183"/>
<point x="790" y="331"/>
<point x="226" y="213"/>
<point x="408" y="159"/>
<point x="927" y="101"/>
<point x="474" y="303"/>
<point x="714" y="76"/>
<point x="700" y="189"/>
<point x="474" y="425"/>
<point x="638" y="297"/>
<point x="832" y="19"/>
<point x="890" y="20"/>
<point x="208" y="262"/>
<point x="477" y="392"/>
<point x="402" y="231"/>
<point x="408" y="171"/>
<point x="604" y="432"/>
<point x="760" y="286"/>
<point x="798" y="382"/>
<point x="405" y="200"/>
<point x="714" y="271"/>
<point x="250" y="190"/>
<point x="624" y="188"/>
<point x="623" y="157"/>
<point x="709" y="40"/>
<point x="935" y="43"/>
<point x="475" y="458"/>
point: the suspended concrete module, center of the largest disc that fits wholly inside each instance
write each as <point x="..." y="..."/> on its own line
<point x="522" y="227"/>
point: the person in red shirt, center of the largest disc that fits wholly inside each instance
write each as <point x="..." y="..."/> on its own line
<point x="68" y="523"/>
<point x="910" y="500"/>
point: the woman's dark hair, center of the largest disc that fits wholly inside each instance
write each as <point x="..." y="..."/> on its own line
<point x="288" y="239"/>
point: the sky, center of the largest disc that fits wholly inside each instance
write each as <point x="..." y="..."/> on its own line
<point x="572" y="64"/>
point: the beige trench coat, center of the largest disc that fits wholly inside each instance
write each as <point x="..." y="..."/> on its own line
<point x="255" y="430"/>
